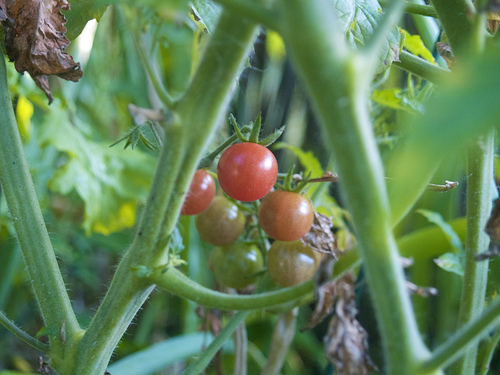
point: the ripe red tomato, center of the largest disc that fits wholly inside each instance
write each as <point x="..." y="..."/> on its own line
<point x="285" y="216"/>
<point x="200" y="194"/>
<point x="235" y="266"/>
<point x="291" y="263"/>
<point x="221" y="223"/>
<point x="247" y="171"/>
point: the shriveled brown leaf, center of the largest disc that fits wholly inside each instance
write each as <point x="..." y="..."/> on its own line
<point x="3" y="10"/>
<point x="346" y="342"/>
<point x="320" y="237"/>
<point x="325" y="297"/>
<point x="444" y="49"/>
<point x="35" y="41"/>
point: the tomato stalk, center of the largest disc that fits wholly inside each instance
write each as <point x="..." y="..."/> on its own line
<point x="41" y="263"/>
<point x="197" y="115"/>
<point x="339" y="99"/>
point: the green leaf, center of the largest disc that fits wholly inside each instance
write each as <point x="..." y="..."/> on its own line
<point x="176" y="242"/>
<point x="110" y="181"/>
<point x="81" y="12"/>
<point x="415" y="45"/>
<point x="451" y="263"/>
<point x="208" y="13"/>
<point x="450" y="234"/>
<point x="162" y="354"/>
<point x="360" y="18"/>
<point x="306" y="159"/>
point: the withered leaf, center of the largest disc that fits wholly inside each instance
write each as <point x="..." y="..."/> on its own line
<point x="420" y="290"/>
<point x="346" y="342"/>
<point x="320" y="237"/>
<point x="35" y="41"/>
<point x="444" y="49"/>
<point x="3" y="10"/>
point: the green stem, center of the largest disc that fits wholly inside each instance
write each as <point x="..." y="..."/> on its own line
<point x="423" y="10"/>
<point x="160" y="90"/>
<point x="19" y="333"/>
<point x="489" y="352"/>
<point x="479" y="202"/>
<point x="240" y="350"/>
<point x="202" y="362"/>
<point x="197" y="115"/>
<point x="457" y="344"/>
<point x="421" y="67"/>
<point x="454" y="16"/>
<point x="252" y="10"/>
<point x="176" y="282"/>
<point x="283" y="334"/>
<point x="41" y="262"/>
<point x="339" y="99"/>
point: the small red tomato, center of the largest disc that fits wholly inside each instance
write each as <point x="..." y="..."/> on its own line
<point x="247" y="171"/>
<point x="291" y="263"/>
<point x="200" y="194"/>
<point x="285" y="216"/>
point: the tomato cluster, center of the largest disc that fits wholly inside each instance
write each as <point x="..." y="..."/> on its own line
<point x="247" y="172"/>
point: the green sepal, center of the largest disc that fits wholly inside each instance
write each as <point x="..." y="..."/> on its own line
<point x="237" y="130"/>
<point x="271" y="138"/>
<point x="256" y="125"/>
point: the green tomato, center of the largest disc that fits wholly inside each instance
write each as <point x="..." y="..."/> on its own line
<point x="291" y="263"/>
<point x="221" y="223"/>
<point x="235" y="266"/>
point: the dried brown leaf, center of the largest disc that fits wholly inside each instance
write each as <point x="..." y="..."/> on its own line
<point x="444" y="49"/>
<point x="3" y="10"/>
<point x="320" y="237"/>
<point x="35" y="41"/>
<point x="346" y="342"/>
<point x="420" y="290"/>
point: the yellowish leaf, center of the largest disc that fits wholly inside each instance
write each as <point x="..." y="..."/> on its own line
<point x="275" y="46"/>
<point x="415" y="45"/>
<point x="24" y="112"/>
<point x="124" y="218"/>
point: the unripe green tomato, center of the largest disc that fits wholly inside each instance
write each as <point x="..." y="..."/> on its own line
<point x="221" y="223"/>
<point x="235" y="266"/>
<point x="291" y="263"/>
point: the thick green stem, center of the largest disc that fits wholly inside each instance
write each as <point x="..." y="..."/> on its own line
<point x="196" y="116"/>
<point x="479" y="198"/>
<point x="466" y="336"/>
<point x="176" y="282"/>
<point x="339" y="94"/>
<point x="421" y="67"/>
<point x="454" y="16"/>
<point x="31" y="231"/>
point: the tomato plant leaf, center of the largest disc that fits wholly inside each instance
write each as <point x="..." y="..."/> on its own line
<point x="415" y="45"/>
<point x="35" y="41"/>
<point x="81" y="12"/>
<point x="360" y="19"/>
<point x="162" y="354"/>
<point x="306" y="158"/>
<point x="450" y="234"/>
<point x="207" y="12"/>
<point x="450" y="262"/>
<point x="109" y="181"/>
